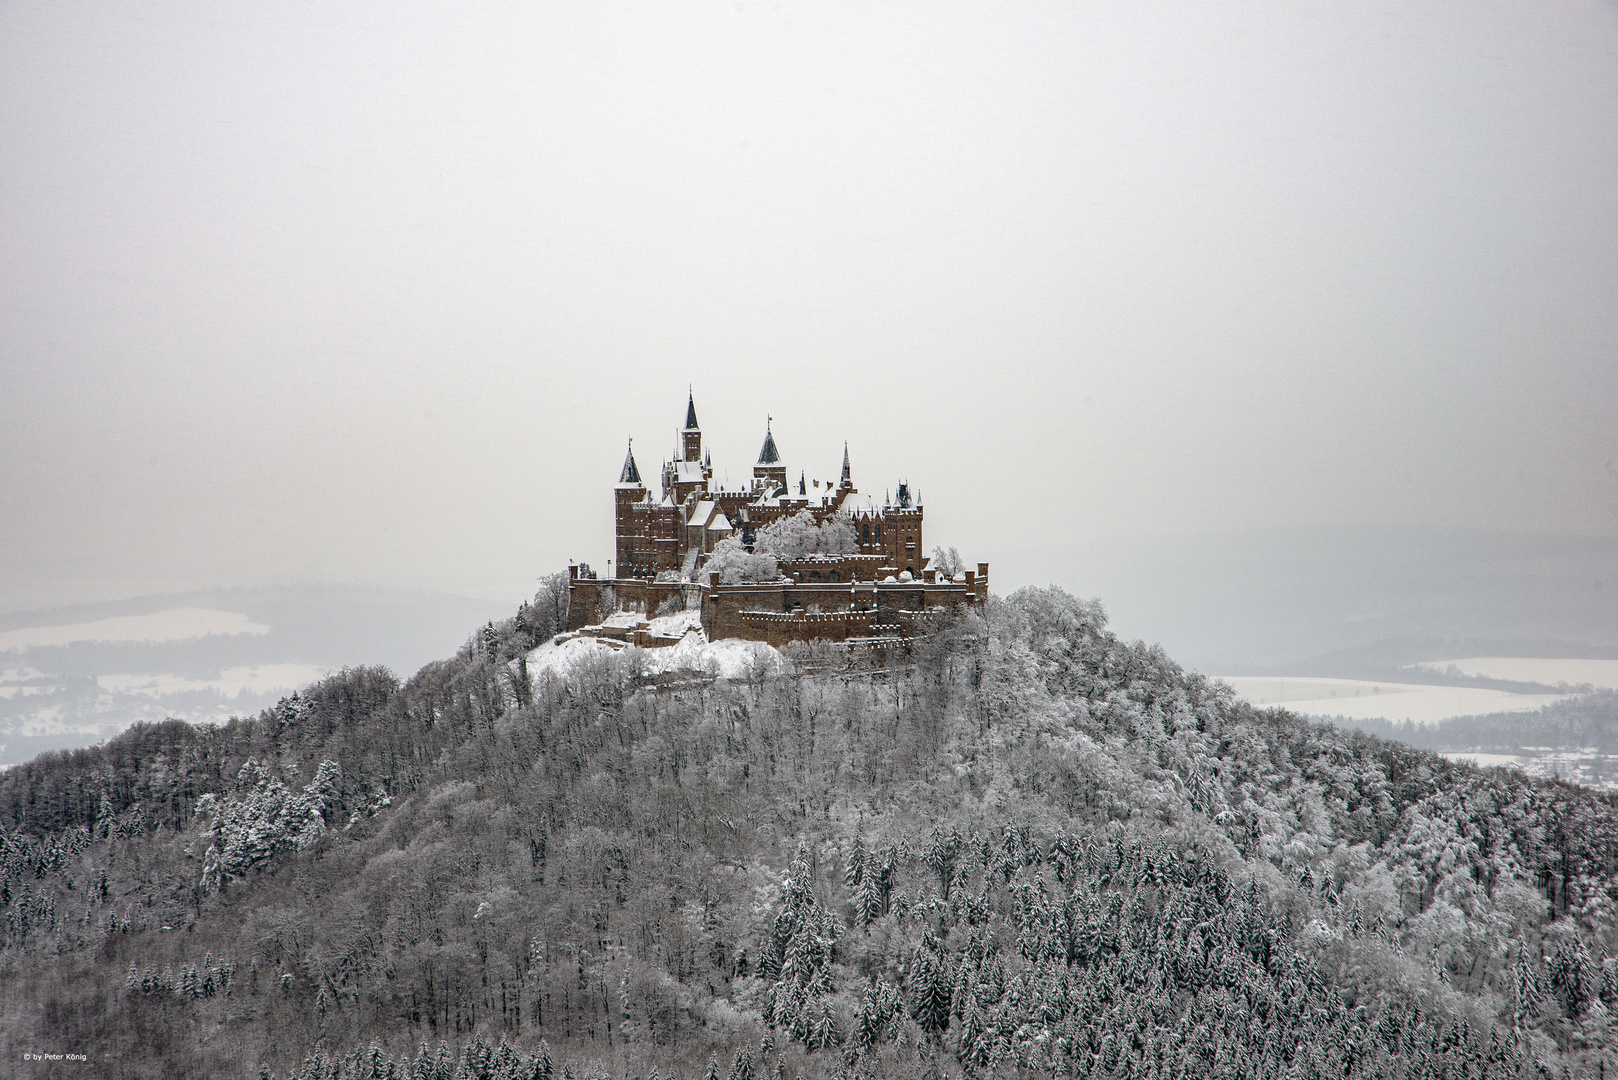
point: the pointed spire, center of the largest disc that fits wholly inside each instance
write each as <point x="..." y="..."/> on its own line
<point x="803" y="488"/>
<point x="690" y="411"/>
<point x="768" y="454"/>
<point x="848" y="476"/>
<point x="630" y="475"/>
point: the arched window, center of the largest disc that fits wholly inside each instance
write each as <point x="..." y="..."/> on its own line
<point x="865" y="532"/>
<point x="814" y="575"/>
<point x="834" y="576"/>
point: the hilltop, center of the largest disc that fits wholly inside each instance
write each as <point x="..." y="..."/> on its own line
<point x="1021" y="847"/>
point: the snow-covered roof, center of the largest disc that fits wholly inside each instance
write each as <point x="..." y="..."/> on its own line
<point x="687" y="471"/>
<point x="862" y="504"/>
<point x="768" y="454"/>
<point x="630" y="475"/>
<point x="701" y="512"/>
<point x="720" y="523"/>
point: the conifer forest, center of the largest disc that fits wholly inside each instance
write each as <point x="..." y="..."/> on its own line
<point x="1022" y="848"/>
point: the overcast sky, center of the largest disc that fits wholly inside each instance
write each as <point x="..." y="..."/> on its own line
<point x="376" y="293"/>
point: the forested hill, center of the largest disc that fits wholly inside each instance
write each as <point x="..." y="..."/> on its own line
<point x="1028" y="849"/>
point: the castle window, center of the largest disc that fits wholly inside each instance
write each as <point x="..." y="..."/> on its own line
<point x="833" y="576"/>
<point x="814" y="575"/>
<point x="865" y="533"/>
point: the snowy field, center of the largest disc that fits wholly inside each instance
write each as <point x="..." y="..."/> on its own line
<point x="255" y="679"/>
<point x="179" y="624"/>
<point x="1363" y="700"/>
<point x="731" y="658"/>
<point x="1550" y="672"/>
<point x="1579" y="766"/>
<point x="1484" y="761"/>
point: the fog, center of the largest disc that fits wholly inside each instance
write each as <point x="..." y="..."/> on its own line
<point x="376" y="295"/>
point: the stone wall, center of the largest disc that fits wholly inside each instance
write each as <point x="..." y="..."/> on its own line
<point x="778" y="612"/>
<point x="782" y="611"/>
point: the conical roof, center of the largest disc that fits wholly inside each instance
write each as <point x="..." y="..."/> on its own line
<point x="768" y="454"/>
<point x="847" y="475"/>
<point x="630" y="475"/>
<point x="690" y="413"/>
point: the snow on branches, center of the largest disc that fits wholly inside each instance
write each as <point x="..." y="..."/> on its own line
<point x="799" y="535"/>
<point x="266" y="819"/>
<point x="734" y="563"/>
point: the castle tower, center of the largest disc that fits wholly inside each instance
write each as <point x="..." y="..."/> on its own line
<point x="768" y="471"/>
<point x="691" y="437"/>
<point x="629" y="520"/>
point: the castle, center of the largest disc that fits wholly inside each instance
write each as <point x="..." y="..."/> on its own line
<point x="885" y="589"/>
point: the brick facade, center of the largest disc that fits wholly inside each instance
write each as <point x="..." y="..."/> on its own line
<point x="883" y="590"/>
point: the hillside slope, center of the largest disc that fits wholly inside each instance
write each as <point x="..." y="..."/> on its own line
<point x="1030" y="849"/>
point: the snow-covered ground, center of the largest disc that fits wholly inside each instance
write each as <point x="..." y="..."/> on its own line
<point x="255" y="679"/>
<point x="1363" y="700"/>
<point x="1484" y="761"/>
<point x="1579" y="766"/>
<point x="1549" y="671"/>
<point x="677" y="625"/>
<point x="730" y="658"/>
<point x="178" y="624"/>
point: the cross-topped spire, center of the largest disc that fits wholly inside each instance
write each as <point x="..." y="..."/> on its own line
<point x="768" y="454"/>
<point x="630" y="475"/>
<point x="690" y="410"/>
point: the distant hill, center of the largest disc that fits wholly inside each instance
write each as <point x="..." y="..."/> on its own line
<point x="62" y="696"/>
<point x="1024" y="848"/>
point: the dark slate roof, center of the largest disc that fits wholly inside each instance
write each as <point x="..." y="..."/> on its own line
<point x="690" y="413"/>
<point x="768" y="454"/>
<point x="630" y="475"/>
<point x="845" y="461"/>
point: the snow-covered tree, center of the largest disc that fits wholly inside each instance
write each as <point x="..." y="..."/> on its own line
<point x="265" y="819"/>
<point x="735" y="563"/>
<point x="948" y="561"/>
<point x="799" y="535"/>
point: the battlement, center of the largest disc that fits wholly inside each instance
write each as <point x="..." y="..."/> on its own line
<point x="817" y="596"/>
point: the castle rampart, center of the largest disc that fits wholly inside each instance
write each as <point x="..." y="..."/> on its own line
<point x="885" y="588"/>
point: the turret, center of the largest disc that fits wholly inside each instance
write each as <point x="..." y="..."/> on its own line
<point x="691" y="437"/>
<point x="629" y="516"/>
<point x="630" y="475"/>
<point x="768" y="472"/>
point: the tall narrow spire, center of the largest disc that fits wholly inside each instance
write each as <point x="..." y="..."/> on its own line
<point x="803" y="488"/>
<point x="848" y="476"/>
<point x="691" y="437"/>
<point x="768" y="454"/>
<point x="630" y="475"/>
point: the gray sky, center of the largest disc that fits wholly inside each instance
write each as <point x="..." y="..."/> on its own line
<point x="375" y="293"/>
